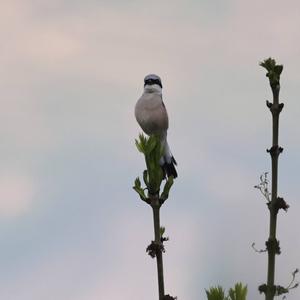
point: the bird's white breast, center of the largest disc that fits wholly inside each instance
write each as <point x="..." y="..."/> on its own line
<point x="151" y="113"/>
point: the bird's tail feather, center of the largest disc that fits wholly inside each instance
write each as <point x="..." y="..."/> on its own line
<point x="169" y="168"/>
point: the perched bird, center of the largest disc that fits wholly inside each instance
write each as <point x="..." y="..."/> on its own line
<point x="152" y="116"/>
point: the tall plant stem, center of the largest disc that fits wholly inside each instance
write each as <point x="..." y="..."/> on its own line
<point x="272" y="243"/>
<point x="155" y="204"/>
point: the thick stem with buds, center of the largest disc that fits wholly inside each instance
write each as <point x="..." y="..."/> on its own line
<point x="155" y="204"/>
<point x="275" y="202"/>
<point x="153" y="178"/>
<point x="272" y="243"/>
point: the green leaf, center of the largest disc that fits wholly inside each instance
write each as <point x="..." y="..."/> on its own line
<point x="145" y="177"/>
<point x="139" y="146"/>
<point x="162" y="231"/>
<point x="278" y="69"/>
<point x="239" y="292"/>
<point x="165" y="194"/>
<point x="273" y="70"/>
<point x="216" y="293"/>
<point x="151" y="143"/>
<point x="137" y="182"/>
<point x="152" y="150"/>
<point x="137" y="187"/>
<point x="141" y="143"/>
<point x="268" y="64"/>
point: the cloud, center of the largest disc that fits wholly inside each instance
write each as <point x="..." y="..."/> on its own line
<point x="70" y="76"/>
<point x="132" y="273"/>
<point x="16" y="194"/>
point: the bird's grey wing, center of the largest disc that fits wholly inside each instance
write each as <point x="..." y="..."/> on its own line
<point x="162" y="115"/>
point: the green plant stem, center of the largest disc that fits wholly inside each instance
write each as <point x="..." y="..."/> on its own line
<point x="270" y="292"/>
<point x="155" y="204"/>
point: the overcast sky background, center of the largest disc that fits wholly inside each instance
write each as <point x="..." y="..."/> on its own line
<point x="71" y="227"/>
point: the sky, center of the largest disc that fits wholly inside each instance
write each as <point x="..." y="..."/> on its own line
<point x="71" y="226"/>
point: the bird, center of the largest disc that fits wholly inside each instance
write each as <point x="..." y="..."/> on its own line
<point x="152" y="116"/>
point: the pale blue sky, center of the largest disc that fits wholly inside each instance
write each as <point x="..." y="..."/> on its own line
<point x="71" y="226"/>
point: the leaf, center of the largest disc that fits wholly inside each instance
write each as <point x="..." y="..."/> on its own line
<point x="151" y="143"/>
<point x="239" y="292"/>
<point x="278" y="69"/>
<point x="145" y="177"/>
<point x="165" y="194"/>
<point x="141" y="143"/>
<point x="139" y="146"/>
<point x="216" y="293"/>
<point x="152" y="150"/>
<point x="137" y="182"/>
<point x="268" y="64"/>
<point x="137" y="187"/>
<point x="273" y="70"/>
<point x="162" y="231"/>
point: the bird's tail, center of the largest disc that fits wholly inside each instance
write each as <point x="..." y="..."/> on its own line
<point x="167" y="161"/>
<point x="169" y="168"/>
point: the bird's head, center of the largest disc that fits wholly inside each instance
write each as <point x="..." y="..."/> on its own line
<point x="152" y="83"/>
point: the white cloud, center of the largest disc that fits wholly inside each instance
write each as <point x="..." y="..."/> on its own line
<point x="96" y="57"/>
<point x="16" y="194"/>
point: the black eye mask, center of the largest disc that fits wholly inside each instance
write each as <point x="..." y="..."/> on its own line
<point x="151" y="81"/>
